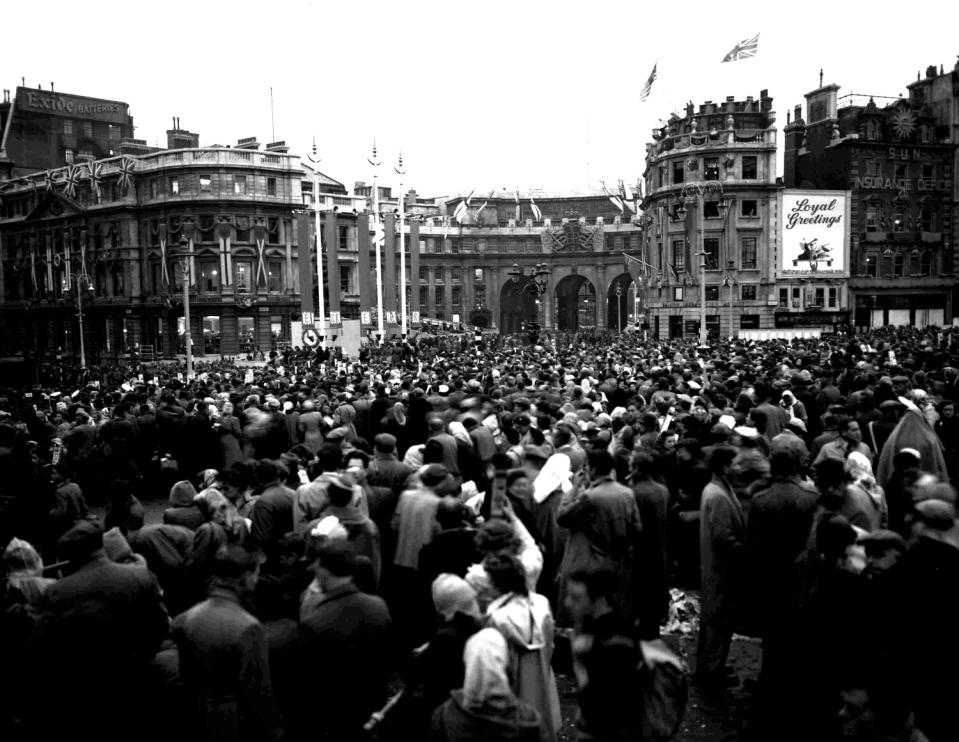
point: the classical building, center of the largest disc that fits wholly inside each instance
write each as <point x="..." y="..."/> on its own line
<point x="43" y="130"/>
<point x="106" y="236"/>
<point x="897" y="159"/>
<point x="481" y="272"/>
<point x="711" y="216"/>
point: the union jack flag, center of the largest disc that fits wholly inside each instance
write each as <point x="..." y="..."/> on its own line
<point x="3" y="187"/>
<point x="127" y="166"/>
<point x="460" y="211"/>
<point x="71" y="180"/>
<point x="743" y="50"/>
<point x="50" y="180"/>
<point x="95" y="173"/>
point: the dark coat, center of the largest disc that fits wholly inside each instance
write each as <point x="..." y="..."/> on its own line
<point x="346" y="651"/>
<point x="272" y="516"/>
<point x="442" y="667"/>
<point x="453" y="722"/>
<point x="224" y="666"/>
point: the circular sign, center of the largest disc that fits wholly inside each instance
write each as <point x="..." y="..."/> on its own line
<point x="310" y="337"/>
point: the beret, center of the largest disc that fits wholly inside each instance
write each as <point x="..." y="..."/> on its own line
<point x="385" y="440"/>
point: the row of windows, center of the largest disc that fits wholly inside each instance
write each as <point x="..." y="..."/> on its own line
<point x="243" y="230"/>
<point x="456" y="296"/>
<point x="88" y="129"/>
<point x="926" y="220"/>
<point x="898" y="264"/>
<point x="677" y="173"/>
<point x="748" y="209"/>
<point x="897" y="170"/>
<point x="822" y="297"/>
<point x="456" y="273"/>
<point x="748" y="254"/>
<point x="209" y="278"/>
<point x="747" y="292"/>
<point x="209" y="183"/>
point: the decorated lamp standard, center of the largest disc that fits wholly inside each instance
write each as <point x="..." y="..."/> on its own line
<point x="401" y="172"/>
<point x="536" y="282"/>
<point x="84" y="284"/>
<point x="321" y="289"/>
<point x="377" y="243"/>
<point x="697" y="190"/>
<point x="619" y="306"/>
<point x="730" y="281"/>
<point x="183" y="257"/>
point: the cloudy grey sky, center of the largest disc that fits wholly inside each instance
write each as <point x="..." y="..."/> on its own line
<point x="491" y="94"/>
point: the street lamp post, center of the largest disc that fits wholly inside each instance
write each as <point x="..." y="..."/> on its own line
<point x="83" y="282"/>
<point x="698" y="190"/>
<point x="536" y="283"/>
<point x="321" y="287"/>
<point x="183" y="256"/>
<point x="619" y="307"/>
<point x="403" y="328"/>
<point x="730" y="281"/>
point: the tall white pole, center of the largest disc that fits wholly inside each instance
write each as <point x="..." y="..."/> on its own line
<point x="379" y="256"/>
<point x="400" y="171"/>
<point x="321" y="288"/>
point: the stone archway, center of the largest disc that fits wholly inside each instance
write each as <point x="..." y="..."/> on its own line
<point x="575" y="304"/>
<point x="517" y="306"/>
<point x="620" y="306"/>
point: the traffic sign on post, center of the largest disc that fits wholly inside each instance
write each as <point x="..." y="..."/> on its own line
<point x="311" y="337"/>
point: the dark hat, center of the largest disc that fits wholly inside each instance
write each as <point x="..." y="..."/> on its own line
<point x="890" y="404"/>
<point x="900" y="379"/>
<point x="522" y="419"/>
<point x="882" y="540"/>
<point x="536" y="453"/>
<point x="434" y="475"/>
<point x="385" y="442"/>
<point x="84" y="539"/>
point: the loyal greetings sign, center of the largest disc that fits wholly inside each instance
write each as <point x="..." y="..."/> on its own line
<point x="814" y="233"/>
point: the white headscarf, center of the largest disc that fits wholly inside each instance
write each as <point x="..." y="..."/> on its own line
<point x="555" y="474"/>
<point x="486" y="656"/>
<point x="458" y="431"/>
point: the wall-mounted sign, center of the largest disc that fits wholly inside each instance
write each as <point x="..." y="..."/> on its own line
<point x="43" y="101"/>
<point x="814" y="233"/>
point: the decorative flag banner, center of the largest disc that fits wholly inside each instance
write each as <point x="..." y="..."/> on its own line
<point x="673" y="275"/>
<point x="617" y="201"/>
<point x="95" y="172"/>
<point x="627" y="196"/>
<point x="460" y="210"/>
<point x="743" y="50"/>
<point x="72" y="180"/>
<point x="127" y="166"/>
<point x="644" y="93"/>
<point x="537" y="214"/>
<point x="50" y="180"/>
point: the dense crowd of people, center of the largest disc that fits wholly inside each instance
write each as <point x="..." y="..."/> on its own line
<point x="464" y="517"/>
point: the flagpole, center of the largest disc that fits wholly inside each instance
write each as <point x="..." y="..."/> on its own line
<point x="379" y="257"/>
<point x="321" y="289"/>
<point x="400" y="171"/>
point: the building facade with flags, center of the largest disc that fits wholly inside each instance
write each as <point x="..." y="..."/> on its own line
<point x="467" y="267"/>
<point x="116" y="228"/>
<point x="44" y="130"/>
<point x="896" y="157"/>
<point x="711" y="199"/>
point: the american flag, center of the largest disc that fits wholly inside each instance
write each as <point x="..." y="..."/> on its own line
<point x="743" y="50"/>
<point x="644" y="93"/>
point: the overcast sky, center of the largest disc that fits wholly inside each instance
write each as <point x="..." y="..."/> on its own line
<point x="489" y="94"/>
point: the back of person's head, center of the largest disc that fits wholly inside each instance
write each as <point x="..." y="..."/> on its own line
<point x="561" y="436"/>
<point x="436" y="424"/>
<point x="267" y="471"/>
<point x="830" y="474"/>
<point x="643" y="464"/>
<point x="433" y="452"/>
<point x="233" y="561"/>
<point x="833" y="536"/>
<point x="601" y="463"/>
<point x="787" y="455"/>
<point x="506" y="573"/>
<point x="337" y="558"/>
<point x="340" y="494"/>
<point x="450" y="513"/>
<point x="720" y="458"/>
<point x="81" y="542"/>
<point x="496" y="535"/>
<point x="330" y="457"/>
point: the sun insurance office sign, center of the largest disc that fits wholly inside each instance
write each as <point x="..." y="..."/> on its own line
<point x="814" y="234"/>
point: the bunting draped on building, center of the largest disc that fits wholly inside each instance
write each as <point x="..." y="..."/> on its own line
<point x="71" y="180"/>
<point x="259" y="235"/>
<point x="50" y="180"/>
<point x="95" y="173"/>
<point x="125" y="175"/>
<point x="3" y="187"/>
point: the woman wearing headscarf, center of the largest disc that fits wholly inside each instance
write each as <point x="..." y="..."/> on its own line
<point x="552" y="481"/>
<point x="865" y="503"/>
<point x="465" y="452"/>
<point x="395" y="423"/>
<point x="485" y="708"/>
<point x="525" y="619"/>
<point x="915" y="433"/>
<point x="343" y="425"/>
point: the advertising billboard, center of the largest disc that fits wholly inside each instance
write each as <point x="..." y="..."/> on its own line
<point x="814" y="234"/>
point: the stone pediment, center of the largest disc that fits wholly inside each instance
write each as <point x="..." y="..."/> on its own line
<point x="55" y="205"/>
